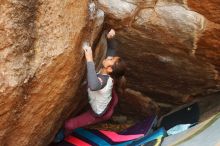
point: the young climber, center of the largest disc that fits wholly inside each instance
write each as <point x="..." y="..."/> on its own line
<point x="102" y="88"/>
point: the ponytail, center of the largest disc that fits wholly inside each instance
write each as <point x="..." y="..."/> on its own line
<point x="119" y="69"/>
<point x="119" y="85"/>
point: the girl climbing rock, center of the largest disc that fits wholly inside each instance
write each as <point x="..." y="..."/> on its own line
<point x="102" y="88"/>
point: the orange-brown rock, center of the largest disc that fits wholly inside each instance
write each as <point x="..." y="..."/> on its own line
<point x="41" y="65"/>
<point x="134" y="102"/>
<point x="209" y="8"/>
<point x="208" y="43"/>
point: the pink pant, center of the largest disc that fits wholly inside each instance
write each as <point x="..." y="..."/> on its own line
<point x="89" y="117"/>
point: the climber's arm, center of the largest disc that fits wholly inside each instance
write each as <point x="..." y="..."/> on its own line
<point x="94" y="82"/>
<point x="111" y="43"/>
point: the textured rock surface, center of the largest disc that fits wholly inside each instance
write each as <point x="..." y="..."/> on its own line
<point x="208" y="44"/>
<point x="208" y="8"/>
<point x="119" y="9"/>
<point x="137" y="103"/>
<point x="41" y="65"/>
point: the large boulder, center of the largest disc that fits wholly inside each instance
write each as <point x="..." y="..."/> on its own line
<point x="171" y="48"/>
<point x="41" y="65"/>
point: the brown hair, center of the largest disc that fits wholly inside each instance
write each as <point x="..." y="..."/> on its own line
<point x="118" y="72"/>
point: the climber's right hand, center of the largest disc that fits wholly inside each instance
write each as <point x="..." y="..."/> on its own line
<point x="88" y="53"/>
<point x="111" y="34"/>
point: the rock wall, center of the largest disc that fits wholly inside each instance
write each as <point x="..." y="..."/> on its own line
<point x="171" y="46"/>
<point x="41" y="65"/>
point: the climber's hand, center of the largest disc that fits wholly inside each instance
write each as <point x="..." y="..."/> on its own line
<point x="88" y="52"/>
<point x="111" y="34"/>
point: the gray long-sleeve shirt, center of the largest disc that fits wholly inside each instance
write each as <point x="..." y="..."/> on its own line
<point x="98" y="81"/>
